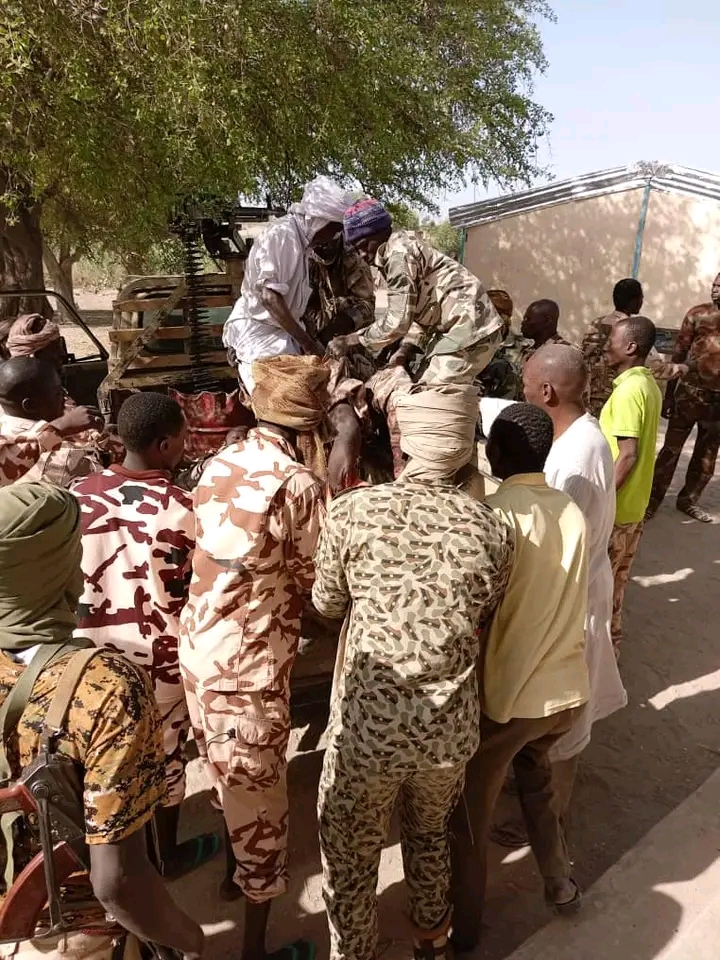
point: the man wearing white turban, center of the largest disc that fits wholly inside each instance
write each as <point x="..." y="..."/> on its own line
<point x="417" y="567"/>
<point x="266" y="320"/>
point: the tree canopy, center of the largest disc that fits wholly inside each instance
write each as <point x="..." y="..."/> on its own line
<point x="113" y="109"/>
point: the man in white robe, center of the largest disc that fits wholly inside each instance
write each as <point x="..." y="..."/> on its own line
<point x="266" y="320"/>
<point x="580" y="464"/>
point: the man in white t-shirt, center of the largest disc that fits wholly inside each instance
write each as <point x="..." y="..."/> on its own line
<point x="580" y="464"/>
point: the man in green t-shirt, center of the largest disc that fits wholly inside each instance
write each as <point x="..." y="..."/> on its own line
<point x="630" y="421"/>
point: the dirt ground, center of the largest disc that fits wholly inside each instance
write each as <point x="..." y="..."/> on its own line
<point x="641" y="763"/>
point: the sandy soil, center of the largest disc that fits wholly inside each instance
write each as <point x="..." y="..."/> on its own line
<point x="641" y="764"/>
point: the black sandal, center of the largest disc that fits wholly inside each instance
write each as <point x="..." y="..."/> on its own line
<point x="570" y="907"/>
<point x="299" y="950"/>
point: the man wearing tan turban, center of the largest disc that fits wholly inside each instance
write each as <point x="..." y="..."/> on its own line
<point x="32" y="335"/>
<point x="417" y="567"/>
<point x="259" y="506"/>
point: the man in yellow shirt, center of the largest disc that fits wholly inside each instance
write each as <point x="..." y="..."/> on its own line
<point x="534" y="671"/>
<point x="630" y="422"/>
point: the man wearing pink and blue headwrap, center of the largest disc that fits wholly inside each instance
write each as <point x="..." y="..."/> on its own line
<point x="436" y="307"/>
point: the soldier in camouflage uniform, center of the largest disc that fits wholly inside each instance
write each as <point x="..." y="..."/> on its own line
<point x="405" y="714"/>
<point x="138" y="542"/>
<point x="343" y="293"/>
<point x="112" y="730"/>
<point x="40" y="439"/>
<point x="628" y="299"/>
<point x="342" y="301"/>
<point x="437" y="310"/>
<point x="696" y="400"/>
<point x="502" y="377"/>
<point x="540" y="324"/>
<point x="258" y="515"/>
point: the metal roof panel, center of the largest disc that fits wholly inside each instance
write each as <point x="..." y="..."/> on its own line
<point x="672" y="178"/>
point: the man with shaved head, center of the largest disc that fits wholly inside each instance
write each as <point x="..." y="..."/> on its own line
<point x="39" y="439"/>
<point x="580" y="464"/>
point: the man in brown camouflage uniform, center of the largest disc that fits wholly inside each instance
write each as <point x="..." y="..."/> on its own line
<point x="138" y="542"/>
<point x="343" y="293"/>
<point x="696" y="400"/>
<point x="628" y="300"/>
<point x="342" y="301"/>
<point x="503" y="375"/>
<point x="418" y="567"/>
<point x="40" y="439"/>
<point x="258" y="515"/>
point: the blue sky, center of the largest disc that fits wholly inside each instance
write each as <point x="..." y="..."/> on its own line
<point x="628" y="81"/>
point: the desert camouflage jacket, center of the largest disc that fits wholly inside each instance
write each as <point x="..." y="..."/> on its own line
<point x="429" y="294"/>
<point x="420" y="568"/>
<point x="258" y="514"/>
<point x="21" y="448"/>
<point x="600" y="383"/>
<point x="138" y="542"/>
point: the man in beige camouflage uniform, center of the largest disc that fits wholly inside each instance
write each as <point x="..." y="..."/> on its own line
<point x="628" y="300"/>
<point x="418" y="567"/>
<point x="437" y="309"/>
<point x="258" y="515"/>
<point x="40" y="439"/>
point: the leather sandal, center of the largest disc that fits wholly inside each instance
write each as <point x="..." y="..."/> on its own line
<point x="694" y="511"/>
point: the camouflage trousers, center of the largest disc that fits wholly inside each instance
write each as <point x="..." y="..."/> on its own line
<point x="243" y="739"/>
<point x="175" y="726"/>
<point x="461" y="366"/>
<point x="622" y="548"/>
<point x="701" y="468"/>
<point x="354" y="810"/>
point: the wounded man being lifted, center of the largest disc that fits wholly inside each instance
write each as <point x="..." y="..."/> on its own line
<point x="438" y="312"/>
<point x="441" y="328"/>
<point x="267" y="320"/>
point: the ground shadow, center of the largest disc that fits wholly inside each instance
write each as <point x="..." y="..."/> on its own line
<point x="642" y="763"/>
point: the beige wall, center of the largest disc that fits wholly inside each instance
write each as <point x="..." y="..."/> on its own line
<point x="681" y="255"/>
<point x="575" y="252"/>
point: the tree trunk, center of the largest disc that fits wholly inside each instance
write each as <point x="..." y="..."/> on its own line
<point x="21" y="259"/>
<point x="60" y="273"/>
